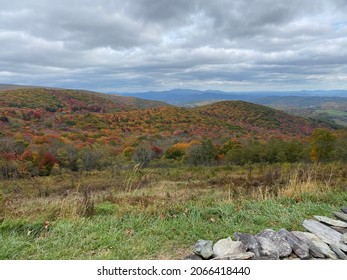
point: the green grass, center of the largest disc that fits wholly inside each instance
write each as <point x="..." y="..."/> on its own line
<point x="165" y="216"/>
<point x="140" y="236"/>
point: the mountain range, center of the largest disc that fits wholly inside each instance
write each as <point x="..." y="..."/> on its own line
<point x="324" y="105"/>
<point x="83" y="117"/>
<point x="186" y="97"/>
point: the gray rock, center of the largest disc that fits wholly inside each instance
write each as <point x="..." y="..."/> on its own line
<point x="344" y="238"/>
<point x="240" y="256"/>
<point x="204" y="248"/>
<point x="338" y="252"/>
<point x="313" y="249"/>
<point x="193" y="257"/>
<point x="300" y="248"/>
<point x="344" y="210"/>
<point x="339" y="229"/>
<point x="268" y="249"/>
<point x="251" y="243"/>
<point x="331" y="222"/>
<point x="325" y="233"/>
<point x="277" y="241"/>
<point x="341" y="216"/>
<point x="323" y="247"/>
<point x="226" y="246"/>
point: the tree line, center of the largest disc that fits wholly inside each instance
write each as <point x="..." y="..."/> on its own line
<point x="20" y="159"/>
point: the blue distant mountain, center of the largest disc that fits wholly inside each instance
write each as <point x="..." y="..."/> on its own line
<point x="189" y="97"/>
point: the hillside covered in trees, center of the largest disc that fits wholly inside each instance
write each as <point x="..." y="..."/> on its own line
<point x="49" y="130"/>
<point x="71" y="101"/>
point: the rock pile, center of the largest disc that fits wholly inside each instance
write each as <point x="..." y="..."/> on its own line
<point x="325" y="238"/>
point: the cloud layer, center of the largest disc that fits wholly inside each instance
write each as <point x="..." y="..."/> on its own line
<point x="140" y="45"/>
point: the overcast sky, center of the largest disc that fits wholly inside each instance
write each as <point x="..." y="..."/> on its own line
<point x="140" y="45"/>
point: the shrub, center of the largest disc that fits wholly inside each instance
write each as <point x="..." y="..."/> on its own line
<point x="322" y="145"/>
<point x="177" y="151"/>
<point x="142" y="155"/>
<point x="204" y="153"/>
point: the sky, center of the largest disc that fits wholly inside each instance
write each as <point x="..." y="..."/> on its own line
<point x="142" y="45"/>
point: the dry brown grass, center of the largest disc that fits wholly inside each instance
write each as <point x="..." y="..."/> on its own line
<point x="162" y="192"/>
<point x="49" y="208"/>
<point x="304" y="184"/>
<point x="292" y="183"/>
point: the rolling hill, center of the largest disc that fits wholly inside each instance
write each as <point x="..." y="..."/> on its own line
<point x="257" y="118"/>
<point x="82" y="117"/>
<point x="328" y="106"/>
<point x="64" y="100"/>
<point x="42" y="130"/>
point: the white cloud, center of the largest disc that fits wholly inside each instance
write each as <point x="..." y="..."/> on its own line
<point x="148" y="44"/>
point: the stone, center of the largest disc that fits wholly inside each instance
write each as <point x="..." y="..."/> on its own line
<point x="325" y="233"/>
<point x="344" y="238"/>
<point x="331" y="222"/>
<point x="339" y="229"/>
<point x="240" y="256"/>
<point x="299" y="248"/>
<point x="344" y="210"/>
<point x="341" y="255"/>
<point x="204" y="248"/>
<point x="323" y="247"/>
<point x="277" y="242"/>
<point x="251" y="243"/>
<point x="268" y="249"/>
<point x="341" y="216"/>
<point x="226" y="247"/>
<point x="313" y="249"/>
<point x="193" y="257"/>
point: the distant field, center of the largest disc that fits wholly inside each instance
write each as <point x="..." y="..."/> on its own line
<point x="158" y="213"/>
<point x="335" y="113"/>
<point x="340" y="117"/>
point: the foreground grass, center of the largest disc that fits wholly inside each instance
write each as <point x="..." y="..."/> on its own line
<point x="164" y="218"/>
<point x="138" y="236"/>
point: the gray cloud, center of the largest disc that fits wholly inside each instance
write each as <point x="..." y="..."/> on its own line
<point x="149" y="44"/>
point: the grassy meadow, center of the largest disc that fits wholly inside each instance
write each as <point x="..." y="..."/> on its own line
<point x="159" y="213"/>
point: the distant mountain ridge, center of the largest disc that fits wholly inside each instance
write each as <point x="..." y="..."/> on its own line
<point x="186" y="97"/>
<point x="323" y="105"/>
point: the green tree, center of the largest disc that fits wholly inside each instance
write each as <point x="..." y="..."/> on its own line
<point x="68" y="157"/>
<point x="142" y="155"/>
<point x="204" y="153"/>
<point x="341" y="146"/>
<point x="89" y="159"/>
<point x="229" y="145"/>
<point x="322" y="145"/>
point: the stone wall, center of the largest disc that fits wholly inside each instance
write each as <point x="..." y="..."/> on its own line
<point x="325" y="238"/>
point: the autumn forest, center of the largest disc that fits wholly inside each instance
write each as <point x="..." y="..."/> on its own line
<point x="49" y="130"/>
